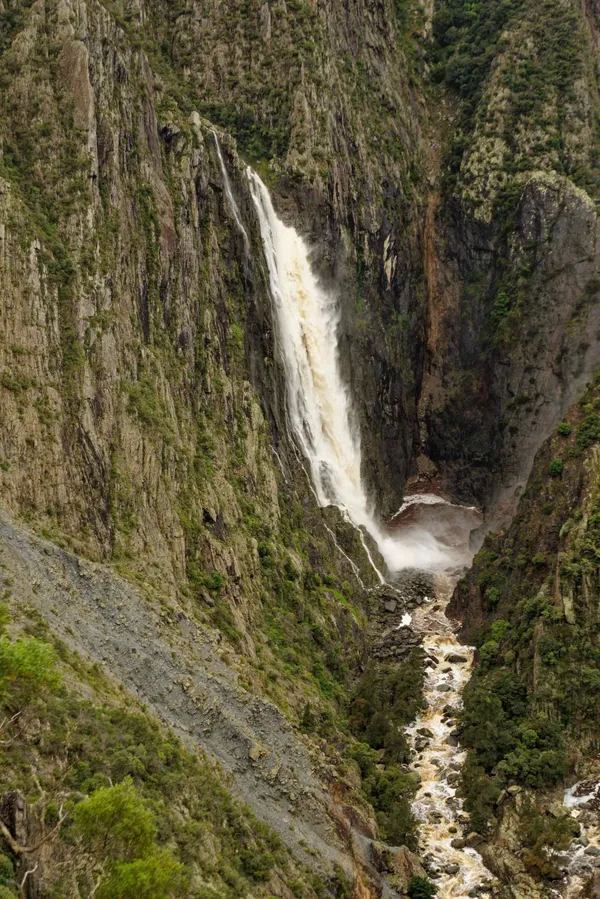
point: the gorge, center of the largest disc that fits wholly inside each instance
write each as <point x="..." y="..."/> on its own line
<point x="299" y="427"/>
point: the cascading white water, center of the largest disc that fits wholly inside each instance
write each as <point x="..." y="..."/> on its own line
<point x="318" y="403"/>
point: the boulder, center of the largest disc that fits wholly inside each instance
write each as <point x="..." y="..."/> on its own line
<point x="473" y="839"/>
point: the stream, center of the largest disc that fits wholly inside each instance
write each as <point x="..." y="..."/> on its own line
<point x="427" y="534"/>
<point x="458" y="870"/>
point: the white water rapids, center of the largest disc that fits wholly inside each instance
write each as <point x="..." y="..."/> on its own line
<point x="427" y="533"/>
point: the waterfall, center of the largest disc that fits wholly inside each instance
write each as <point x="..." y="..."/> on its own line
<point x="319" y="407"/>
<point x="229" y="193"/>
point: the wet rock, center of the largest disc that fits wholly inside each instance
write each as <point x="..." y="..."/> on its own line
<point x="425" y="732"/>
<point x="443" y="688"/>
<point x="592" y="850"/>
<point x="403" y="863"/>
<point x="458" y="843"/>
<point x="451" y="869"/>
<point x="514" y="789"/>
<point x="456" y="659"/>
<point x="473" y="839"/>
<point x="582" y="841"/>
<point x="391" y="605"/>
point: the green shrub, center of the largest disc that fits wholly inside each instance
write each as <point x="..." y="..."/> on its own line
<point x="7" y="872"/>
<point x="159" y="876"/>
<point x="564" y="429"/>
<point x="421" y="888"/>
<point x="556" y="468"/>
<point x="257" y="864"/>
<point x="116" y="822"/>
<point x="26" y="666"/>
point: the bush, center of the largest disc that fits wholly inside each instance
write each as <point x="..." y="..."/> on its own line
<point x="26" y="666"/>
<point x="116" y="822"/>
<point x="257" y="864"/>
<point x="159" y="876"/>
<point x="564" y="429"/>
<point x="7" y="872"/>
<point x="556" y="468"/>
<point x="421" y="888"/>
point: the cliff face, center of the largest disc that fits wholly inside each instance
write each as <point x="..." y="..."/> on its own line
<point x="511" y="248"/>
<point x="142" y="420"/>
<point x="323" y="99"/>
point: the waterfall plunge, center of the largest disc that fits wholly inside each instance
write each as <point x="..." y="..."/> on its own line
<point x="318" y="403"/>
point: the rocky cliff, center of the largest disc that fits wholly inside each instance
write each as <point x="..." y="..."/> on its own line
<point x="530" y="603"/>
<point x="442" y="164"/>
<point x="142" y="413"/>
<point x="510" y="240"/>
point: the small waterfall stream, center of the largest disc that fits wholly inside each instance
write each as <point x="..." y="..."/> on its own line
<point x="323" y="427"/>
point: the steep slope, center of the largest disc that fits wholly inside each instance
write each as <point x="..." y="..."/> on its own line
<point x="134" y="319"/>
<point x="323" y="99"/>
<point x="142" y="426"/>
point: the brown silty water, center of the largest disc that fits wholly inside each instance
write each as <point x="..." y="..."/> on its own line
<point x="458" y="872"/>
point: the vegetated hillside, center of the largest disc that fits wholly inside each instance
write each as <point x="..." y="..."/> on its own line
<point x="530" y="602"/>
<point x="511" y="238"/>
<point x="324" y="99"/>
<point x="141" y="398"/>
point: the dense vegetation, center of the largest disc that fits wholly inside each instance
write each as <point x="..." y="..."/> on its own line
<point x="538" y="54"/>
<point x="387" y="698"/>
<point x="534" y="694"/>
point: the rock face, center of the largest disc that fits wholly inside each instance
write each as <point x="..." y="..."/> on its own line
<point x="510" y="244"/>
<point x="142" y="410"/>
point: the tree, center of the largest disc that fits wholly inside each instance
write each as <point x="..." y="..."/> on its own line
<point x="159" y="876"/>
<point x="116" y="823"/>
